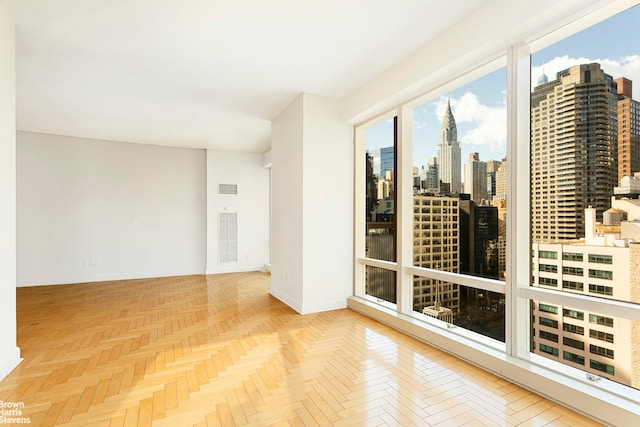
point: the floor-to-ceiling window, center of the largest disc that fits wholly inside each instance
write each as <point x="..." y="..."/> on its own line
<point x="458" y="194"/>
<point x="380" y="199"/>
<point x="515" y="197"/>
<point x="585" y="150"/>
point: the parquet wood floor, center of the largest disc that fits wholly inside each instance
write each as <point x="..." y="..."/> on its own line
<point x="220" y="351"/>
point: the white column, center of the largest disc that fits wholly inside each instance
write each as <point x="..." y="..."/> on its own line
<point x="312" y="205"/>
<point x="9" y="352"/>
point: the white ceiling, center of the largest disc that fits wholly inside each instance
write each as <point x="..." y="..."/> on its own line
<point x="203" y="73"/>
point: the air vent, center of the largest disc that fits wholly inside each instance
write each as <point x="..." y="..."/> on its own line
<point x="227" y="189"/>
<point x="228" y="236"/>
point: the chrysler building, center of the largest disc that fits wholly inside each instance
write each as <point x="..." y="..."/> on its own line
<point x="449" y="153"/>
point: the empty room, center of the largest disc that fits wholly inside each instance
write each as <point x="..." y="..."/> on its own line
<point x="320" y="213"/>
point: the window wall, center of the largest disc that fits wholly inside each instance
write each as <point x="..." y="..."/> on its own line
<point x="584" y="147"/>
<point x="516" y="211"/>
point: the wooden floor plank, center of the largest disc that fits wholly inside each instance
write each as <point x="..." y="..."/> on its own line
<point x="218" y="350"/>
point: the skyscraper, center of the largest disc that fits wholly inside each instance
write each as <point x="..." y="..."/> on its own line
<point x="383" y="160"/>
<point x="492" y="169"/>
<point x="449" y="153"/>
<point x="501" y="181"/>
<point x="574" y="164"/>
<point x="429" y="176"/>
<point x="475" y="178"/>
<point x="628" y="130"/>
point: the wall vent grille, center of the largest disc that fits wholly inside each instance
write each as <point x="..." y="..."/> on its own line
<point x="228" y="236"/>
<point x="227" y="189"/>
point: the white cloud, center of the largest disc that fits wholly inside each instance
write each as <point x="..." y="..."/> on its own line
<point x="478" y="124"/>
<point x="626" y="66"/>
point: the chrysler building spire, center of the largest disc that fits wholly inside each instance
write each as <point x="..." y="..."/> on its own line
<point x="449" y="129"/>
<point x="449" y="153"/>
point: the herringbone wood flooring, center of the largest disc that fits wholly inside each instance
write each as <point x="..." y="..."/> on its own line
<point x="219" y="350"/>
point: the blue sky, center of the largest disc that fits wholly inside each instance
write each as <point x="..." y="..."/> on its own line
<point x="480" y="106"/>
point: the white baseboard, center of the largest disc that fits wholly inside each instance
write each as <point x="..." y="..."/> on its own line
<point x="291" y="302"/>
<point x="236" y="268"/>
<point x="65" y="280"/>
<point x="321" y="306"/>
<point x="9" y="361"/>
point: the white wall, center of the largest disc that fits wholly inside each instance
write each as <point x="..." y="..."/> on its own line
<point x="468" y="44"/>
<point x="9" y="352"/>
<point x="246" y="170"/>
<point x="327" y="206"/>
<point x="91" y="210"/>
<point x="286" y="205"/>
<point x="312" y="205"/>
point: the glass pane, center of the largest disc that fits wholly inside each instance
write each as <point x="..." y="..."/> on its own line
<point x="460" y="205"/>
<point x="585" y="175"/>
<point x="482" y="312"/>
<point x="381" y="284"/>
<point x="477" y="310"/>
<point x="599" y="344"/>
<point x="436" y="298"/>
<point x="380" y="191"/>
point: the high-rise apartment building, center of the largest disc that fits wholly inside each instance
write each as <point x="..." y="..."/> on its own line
<point x="628" y="130"/>
<point x="436" y="245"/>
<point x="449" y="153"/>
<point x="475" y="178"/>
<point x="574" y="135"/>
<point x="604" y="265"/>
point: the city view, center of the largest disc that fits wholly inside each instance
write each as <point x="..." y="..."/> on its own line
<point x="585" y="199"/>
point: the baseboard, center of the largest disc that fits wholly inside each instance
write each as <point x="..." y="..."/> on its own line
<point x="108" y="277"/>
<point x="236" y="268"/>
<point x="286" y="299"/>
<point x="9" y="361"/>
<point x="321" y="306"/>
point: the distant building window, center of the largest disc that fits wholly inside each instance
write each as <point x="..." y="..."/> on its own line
<point x="548" y="349"/>
<point x="548" y="281"/>
<point x="601" y="320"/>
<point x="601" y="274"/>
<point x="548" y="336"/>
<point x="574" y="271"/>
<point x="573" y="314"/>
<point x="601" y="259"/>
<point x="568" y="327"/>
<point x="548" y="308"/>
<point x="601" y="351"/>
<point x="576" y="286"/>
<point x="570" y="342"/>
<point x="600" y="289"/>
<point x="575" y="358"/>
<point x="603" y="367"/>
<point x="548" y="322"/>
<point x="548" y="268"/>
<point x="548" y="254"/>
<point x="602" y="336"/>
<point x="572" y="256"/>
